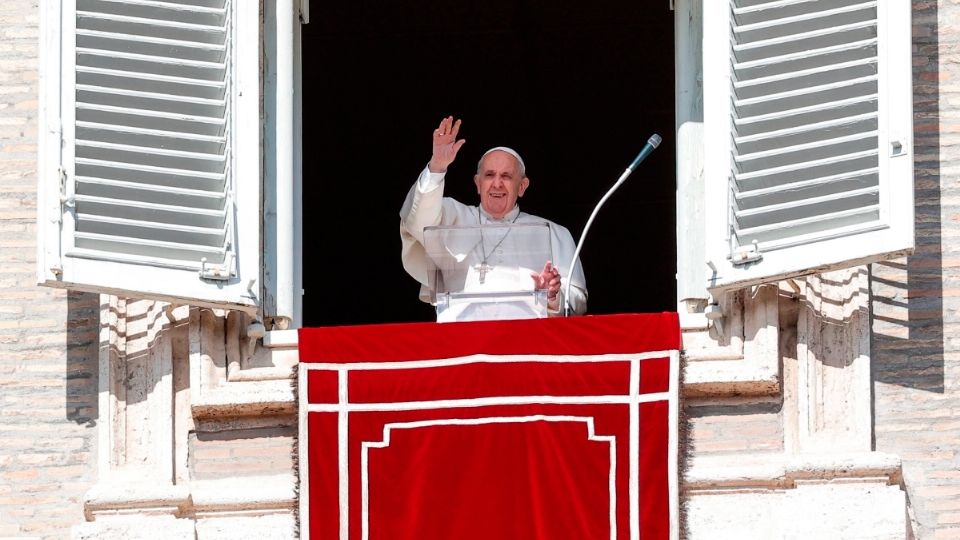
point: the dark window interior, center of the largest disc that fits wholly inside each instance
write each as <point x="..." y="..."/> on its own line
<point x="576" y="87"/>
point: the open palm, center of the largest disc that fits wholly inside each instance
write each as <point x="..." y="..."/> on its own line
<point x="445" y="144"/>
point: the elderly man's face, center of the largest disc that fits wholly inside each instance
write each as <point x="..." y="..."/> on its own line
<point x="499" y="183"/>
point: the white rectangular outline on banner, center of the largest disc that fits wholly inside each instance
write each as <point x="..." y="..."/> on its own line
<point x="634" y="399"/>
<point x="385" y="442"/>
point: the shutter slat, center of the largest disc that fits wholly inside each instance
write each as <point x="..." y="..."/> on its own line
<point x="150" y="46"/>
<point x="805" y="128"/>
<point x="159" y="176"/>
<point x="149" y="231"/>
<point x="797" y="186"/>
<point x="166" y="104"/>
<point x="804" y="91"/>
<point x="806" y="55"/>
<point x="90" y="131"/>
<point x="151" y="8"/>
<point x="176" y="154"/>
<point x="193" y="138"/>
<point x="792" y="75"/>
<point x="822" y="107"/>
<point x="764" y="6"/>
<point x="174" y="26"/>
<point x="812" y="146"/>
<point x="153" y="212"/>
<point x="835" y="160"/>
<point x="179" y="69"/>
<point x="806" y="223"/>
<point x="755" y="6"/>
<point x="793" y="205"/>
<point x="150" y="82"/>
<point x="813" y="14"/>
<point x="119" y="153"/>
<point x="132" y="191"/>
<point x="143" y="27"/>
<point x="166" y="61"/>
<point x="151" y="78"/>
<point x="123" y="246"/>
<point x="818" y="33"/>
<point x="186" y="108"/>
<point x="199" y="217"/>
<point x="144" y="95"/>
<point x="196" y="125"/>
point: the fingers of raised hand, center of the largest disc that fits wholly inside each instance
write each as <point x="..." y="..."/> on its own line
<point x="447" y="131"/>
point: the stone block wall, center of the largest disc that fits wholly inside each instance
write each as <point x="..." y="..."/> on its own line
<point x="48" y="338"/>
<point x="916" y="301"/>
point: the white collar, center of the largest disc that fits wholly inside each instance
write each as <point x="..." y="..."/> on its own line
<point x="511" y="216"/>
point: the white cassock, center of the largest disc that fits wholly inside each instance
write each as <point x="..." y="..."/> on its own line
<point x="426" y="206"/>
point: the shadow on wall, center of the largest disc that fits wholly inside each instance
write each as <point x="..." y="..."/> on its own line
<point x="908" y="337"/>
<point x="83" y="331"/>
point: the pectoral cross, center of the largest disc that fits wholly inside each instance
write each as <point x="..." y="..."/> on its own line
<point x="483" y="268"/>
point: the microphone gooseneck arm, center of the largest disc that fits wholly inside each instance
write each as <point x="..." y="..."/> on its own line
<point x="651" y="145"/>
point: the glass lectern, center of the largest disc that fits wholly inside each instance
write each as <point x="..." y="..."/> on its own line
<point x="484" y="272"/>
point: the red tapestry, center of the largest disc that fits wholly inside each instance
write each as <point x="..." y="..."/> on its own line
<point x="550" y="428"/>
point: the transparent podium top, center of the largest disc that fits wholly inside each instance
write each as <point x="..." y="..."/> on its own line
<point x="487" y="259"/>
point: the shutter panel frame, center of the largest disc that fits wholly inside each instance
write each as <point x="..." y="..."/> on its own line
<point x="165" y="215"/>
<point x="891" y="233"/>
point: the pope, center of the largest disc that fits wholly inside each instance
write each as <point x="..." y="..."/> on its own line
<point x="501" y="180"/>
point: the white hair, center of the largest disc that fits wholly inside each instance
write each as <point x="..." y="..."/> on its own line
<point x="511" y="151"/>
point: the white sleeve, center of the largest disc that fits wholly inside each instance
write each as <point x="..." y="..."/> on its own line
<point x="428" y="181"/>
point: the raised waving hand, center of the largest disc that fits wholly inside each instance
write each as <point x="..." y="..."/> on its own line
<point x="445" y="145"/>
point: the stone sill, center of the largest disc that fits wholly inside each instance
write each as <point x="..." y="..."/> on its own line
<point x="203" y="498"/>
<point x="781" y="471"/>
<point x="246" y="398"/>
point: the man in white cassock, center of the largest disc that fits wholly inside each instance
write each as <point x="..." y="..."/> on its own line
<point x="501" y="180"/>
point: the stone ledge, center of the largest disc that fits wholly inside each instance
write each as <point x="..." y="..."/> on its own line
<point x="731" y="377"/>
<point x="261" y="494"/>
<point x="246" y="398"/>
<point x="780" y="471"/>
<point x="115" y="498"/>
<point x="200" y="498"/>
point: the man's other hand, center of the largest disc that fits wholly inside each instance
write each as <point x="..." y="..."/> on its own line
<point x="548" y="279"/>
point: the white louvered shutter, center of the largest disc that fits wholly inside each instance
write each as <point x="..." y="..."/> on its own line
<point x="158" y="186"/>
<point x="808" y="123"/>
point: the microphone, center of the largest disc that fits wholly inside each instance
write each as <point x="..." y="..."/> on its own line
<point x="652" y="143"/>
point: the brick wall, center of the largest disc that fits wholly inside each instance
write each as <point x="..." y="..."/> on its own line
<point x="732" y="426"/>
<point x="916" y="302"/>
<point x="245" y="447"/>
<point x="48" y="369"/>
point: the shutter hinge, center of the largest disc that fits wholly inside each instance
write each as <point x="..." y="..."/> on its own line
<point x="217" y="272"/>
<point x="62" y="202"/>
<point x="746" y="254"/>
<point x="69" y="202"/>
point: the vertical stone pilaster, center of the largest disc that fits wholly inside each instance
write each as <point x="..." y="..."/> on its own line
<point x="833" y="364"/>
